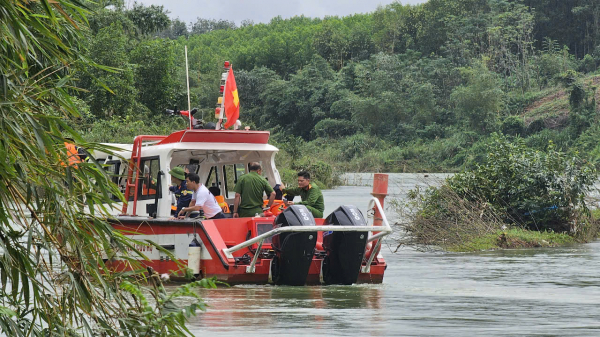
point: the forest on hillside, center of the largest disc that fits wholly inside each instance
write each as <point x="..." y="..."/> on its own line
<point x="404" y="88"/>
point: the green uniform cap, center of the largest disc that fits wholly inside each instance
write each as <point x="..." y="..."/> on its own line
<point x="178" y="173"/>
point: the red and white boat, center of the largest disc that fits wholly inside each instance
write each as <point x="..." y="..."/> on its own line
<point x="292" y="248"/>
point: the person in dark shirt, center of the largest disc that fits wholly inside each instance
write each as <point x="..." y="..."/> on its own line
<point x="182" y="193"/>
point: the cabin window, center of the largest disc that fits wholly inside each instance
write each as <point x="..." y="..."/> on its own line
<point x="113" y="168"/>
<point x="148" y="178"/>
<point x="231" y="173"/>
<point x="214" y="179"/>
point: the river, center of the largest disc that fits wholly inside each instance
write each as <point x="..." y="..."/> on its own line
<point x="526" y="292"/>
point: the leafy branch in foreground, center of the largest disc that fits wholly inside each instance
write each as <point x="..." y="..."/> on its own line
<point x="53" y="228"/>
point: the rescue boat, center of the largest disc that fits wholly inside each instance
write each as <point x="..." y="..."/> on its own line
<point x="291" y="248"/>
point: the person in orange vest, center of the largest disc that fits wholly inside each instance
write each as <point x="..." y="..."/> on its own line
<point x="72" y="154"/>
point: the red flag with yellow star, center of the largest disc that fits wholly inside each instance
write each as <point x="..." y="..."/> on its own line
<point x="231" y="101"/>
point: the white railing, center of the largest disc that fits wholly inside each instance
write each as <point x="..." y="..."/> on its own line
<point x="382" y="231"/>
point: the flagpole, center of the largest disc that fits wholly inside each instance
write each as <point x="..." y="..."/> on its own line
<point x="187" y="77"/>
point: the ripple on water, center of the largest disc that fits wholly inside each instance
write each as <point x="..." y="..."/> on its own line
<point x="528" y="292"/>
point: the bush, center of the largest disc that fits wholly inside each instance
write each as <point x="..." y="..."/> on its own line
<point x="535" y="126"/>
<point x="537" y="190"/>
<point x="440" y="217"/>
<point x="321" y="173"/>
<point x="333" y="128"/>
<point x="588" y="64"/>
<point x="513" y="125"/>
<point x="516" y="187"/>
<point x="358" y="145"/>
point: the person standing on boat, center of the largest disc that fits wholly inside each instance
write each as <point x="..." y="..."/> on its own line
<point x="191" y="168"/>
<point x="249" y="193"/>
<point x="182" y="193"/>
<point x="201" y="199"/>
<point x="311" y="195"/>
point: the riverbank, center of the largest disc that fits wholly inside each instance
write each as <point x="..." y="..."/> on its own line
<point x="516" y="238"/>
<point x="466" y="227"/>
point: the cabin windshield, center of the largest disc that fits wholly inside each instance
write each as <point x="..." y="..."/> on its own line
<point x="219" y="170"/>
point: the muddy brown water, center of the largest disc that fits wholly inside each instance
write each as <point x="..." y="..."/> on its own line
<point x="527" y="292"/>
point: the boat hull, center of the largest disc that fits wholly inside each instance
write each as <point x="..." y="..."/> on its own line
<point x="174" y="237"/>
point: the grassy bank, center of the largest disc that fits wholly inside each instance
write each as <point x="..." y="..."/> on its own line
<point x="514" y="238"/>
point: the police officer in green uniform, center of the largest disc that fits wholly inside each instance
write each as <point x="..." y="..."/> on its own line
<point x="311" y="195"/>
<point x="249" y="193"/>
<point x="182" y="193"/>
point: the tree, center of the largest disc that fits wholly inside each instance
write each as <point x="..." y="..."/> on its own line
<point x="148" y="20"/>
<point x="155" y="73"/>
<point x="203" y="26"/>
<point x="480" y="100"/>
<point x="109" y="48"/>
<point x="54" y="281"/>
<point x="176" y="29"/>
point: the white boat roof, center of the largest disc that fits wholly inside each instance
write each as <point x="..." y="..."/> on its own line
<point x="158" y="149"/>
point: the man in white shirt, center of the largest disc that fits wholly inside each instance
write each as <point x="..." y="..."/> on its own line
<point x="201" y="199"/>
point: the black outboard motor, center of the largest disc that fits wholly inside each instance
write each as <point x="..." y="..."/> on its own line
<point x="294" y="251"/>
<point x="345" y="250"/>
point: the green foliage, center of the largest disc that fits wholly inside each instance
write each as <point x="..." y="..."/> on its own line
<point x="161" y="316"/>
<point x="588" y="64"/>
<point x="538" y="190"/>
<point x="320" y="171"/>
<point x="427" y="77"/>
<point x="512" y="125"/>
<point x="517" y="197"/>
<point x="148" y="20"/>
<point x="109" y="48"/>
<point x="481" y="99"/>
<point x="154" y="73"/>
<point x="53" y="216"/>
<point x="333" y="128"/>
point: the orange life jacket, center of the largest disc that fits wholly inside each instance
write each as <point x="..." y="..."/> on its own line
<point x="277" y="207"/>
<point x="72" y="154"/>
<point x="222" y="203"/>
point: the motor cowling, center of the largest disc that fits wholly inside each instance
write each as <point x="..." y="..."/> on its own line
<point x="294" y="251"/>
<point x="344" y="250"/>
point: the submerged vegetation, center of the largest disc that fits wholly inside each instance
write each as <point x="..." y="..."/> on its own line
<point x="516" y="197"/>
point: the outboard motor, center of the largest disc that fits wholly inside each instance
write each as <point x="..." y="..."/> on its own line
<point x="345" y="250"/>
<point x="294" y="251"/>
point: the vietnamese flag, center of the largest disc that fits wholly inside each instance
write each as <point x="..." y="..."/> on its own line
<point x="231" y="101"/>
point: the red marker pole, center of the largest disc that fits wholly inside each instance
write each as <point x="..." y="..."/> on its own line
<point x="380" y="191"/>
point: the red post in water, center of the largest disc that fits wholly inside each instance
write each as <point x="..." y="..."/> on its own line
<point x="380" y="191"/>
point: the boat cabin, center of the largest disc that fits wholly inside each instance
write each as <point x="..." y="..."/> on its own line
<point x="220" y="157"/>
